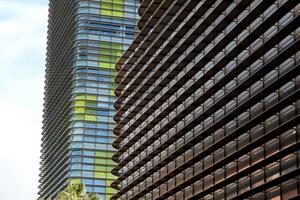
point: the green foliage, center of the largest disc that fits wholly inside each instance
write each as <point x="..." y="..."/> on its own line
<point x="75" y="192"/>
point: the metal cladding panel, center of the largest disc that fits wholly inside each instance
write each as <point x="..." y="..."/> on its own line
<point x="208" y="102"/>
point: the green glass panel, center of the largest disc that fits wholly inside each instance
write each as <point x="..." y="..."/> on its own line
<point x="114" y="59"/>
<point x="104" y="58"/>
<point x="100" y="174"/>
<point x="113" y="86"/>
<point x="101" y="154"/>
<point x="91" y="104"/>
<point x="109" y="168"/>
<point x="112" y="66"/>
<point x="105" y="52"/>
<point x="110" y="154"/>
<point x="109" y="182"/>
<point x="111" y="176"/>
<point x="114" y="73"/>
<point x="117" y="46"/>
<point x="111" y="162"/>
<point x="105" y="45"/>
<point x="111" y="190"/>
<point x="100" y="168"/>
<point x="100" y="161"/>
<point x="91" y="111"/>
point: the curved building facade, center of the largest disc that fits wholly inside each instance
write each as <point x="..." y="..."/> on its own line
<point x="208" y="102"/>
<point x="85" y="40"/>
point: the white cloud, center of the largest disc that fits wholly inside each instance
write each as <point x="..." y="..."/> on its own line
<point x="22" y="55"/>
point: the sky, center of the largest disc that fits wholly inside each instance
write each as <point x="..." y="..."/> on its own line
<point x="23" y="27"/>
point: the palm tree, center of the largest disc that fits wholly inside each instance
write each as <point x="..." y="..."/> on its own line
<point x="75" y="192"/>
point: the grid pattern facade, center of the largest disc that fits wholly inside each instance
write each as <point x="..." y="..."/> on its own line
<point x="208" y="102"/>
<point x="85" y="40"/>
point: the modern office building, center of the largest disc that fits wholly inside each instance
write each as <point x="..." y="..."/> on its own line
<point x="85" y="40"/>
<point x="208" y="102"/>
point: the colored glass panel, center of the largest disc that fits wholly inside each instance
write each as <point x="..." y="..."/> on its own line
<point x="114" y="8"/>
<point x="100" y="175"/>
<point x="79" y="103"/>
<point x="94" y="91"/>
<point x="75" y="181"/>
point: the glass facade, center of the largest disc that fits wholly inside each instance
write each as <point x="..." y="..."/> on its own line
<point x="85" y="40"/>
<point x="208" y="102"/>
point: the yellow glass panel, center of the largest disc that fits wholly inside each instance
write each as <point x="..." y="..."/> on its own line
<point x="110" y="8"/>
<point x="111" y="92"/>
<point x="104" y="64"/>
<point x="119" y="1"/>
<point x="79" y="103"/>
<point x="91" y="117"/>
<point x="106" y="12"/>
<point x="79" y="110"/>
<point x="118" y="7"/>
<point x="107" y="6"/>
<point x="118" y="13"/>
<point x="119" y="53"/>
<point x="80" y="97"/>
<point x="75" y="181"/>
<point x="91" y="97"/>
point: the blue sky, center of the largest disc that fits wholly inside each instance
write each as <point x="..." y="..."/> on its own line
<point x="23" y="26"/>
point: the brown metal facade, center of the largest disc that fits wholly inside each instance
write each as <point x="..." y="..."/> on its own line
<point x="208" y="102"/>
